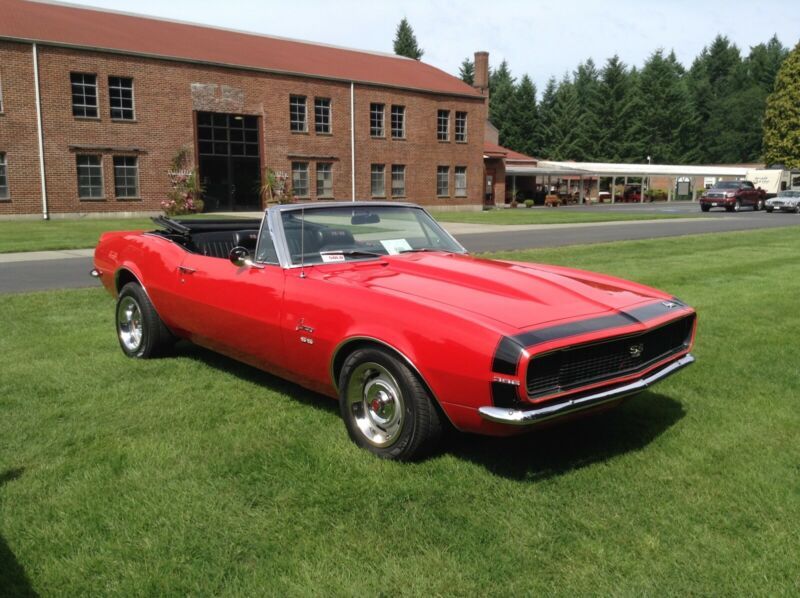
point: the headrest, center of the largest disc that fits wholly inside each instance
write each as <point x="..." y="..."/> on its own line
<point x="335" y="237"/>
<point x="245" y="238"/>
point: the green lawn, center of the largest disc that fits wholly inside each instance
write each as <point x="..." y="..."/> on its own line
<point x="551" y="216"/>
<point x="39" y="235"/>
<point x="195" y="475"/>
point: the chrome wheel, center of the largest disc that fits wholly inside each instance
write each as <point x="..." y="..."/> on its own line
<point x="129" y="324"/>
<point x="375" y="404"/>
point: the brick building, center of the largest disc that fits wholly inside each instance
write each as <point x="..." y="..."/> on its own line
<point x="95" y="105"/>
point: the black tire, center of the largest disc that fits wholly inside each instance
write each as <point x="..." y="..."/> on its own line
<point x="140" y="331"/>
<point x="769" y="210"/>
<point x="386" y="408"/>
<point x="704" y="208"/>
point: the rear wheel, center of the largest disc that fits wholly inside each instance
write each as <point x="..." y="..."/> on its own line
<point x="737" y="207"/>
<point x="759" y="205"/>
<point x="385" y="407"/>
<point x="140" y="331"/>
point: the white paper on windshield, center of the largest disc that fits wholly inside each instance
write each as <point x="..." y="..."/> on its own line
<point x="331" y="257"/>
<point x="395" y="246"/>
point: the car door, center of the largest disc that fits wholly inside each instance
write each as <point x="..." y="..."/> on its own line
<point x="233" y="310"/>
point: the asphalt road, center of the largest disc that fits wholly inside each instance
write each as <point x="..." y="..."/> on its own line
<point x="43" y="275"/>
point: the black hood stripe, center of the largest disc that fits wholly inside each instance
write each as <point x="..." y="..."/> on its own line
<point x="509" y="350"/>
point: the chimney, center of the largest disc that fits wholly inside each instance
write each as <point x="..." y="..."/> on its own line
<point x="481" y="79"/>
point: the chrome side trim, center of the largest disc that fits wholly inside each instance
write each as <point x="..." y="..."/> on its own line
<point x="527" y="417"/>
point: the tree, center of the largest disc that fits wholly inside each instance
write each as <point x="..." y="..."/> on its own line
<point x="466" y="72"/>
<point x="782" y="115"/>
<point x="526" y="114"/>
<point x="502" y="105"/>
<point x="587" y="92"/>
<point x="546" y="117"/>
<point x="565" y="115"/>
<point x="405" y="42"/>
<point x="613" y="110"/>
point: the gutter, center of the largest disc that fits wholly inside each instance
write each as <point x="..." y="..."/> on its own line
<point x="40" y="134"/>
<point x="352" y="142"/>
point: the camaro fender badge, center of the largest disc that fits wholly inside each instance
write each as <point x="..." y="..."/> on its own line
<point x="669" y="304"/>
<point x="504" y="380"/>
<point x="636" y="350"/>
<point x="306" y="340"/>
<point x="301" y="327"/>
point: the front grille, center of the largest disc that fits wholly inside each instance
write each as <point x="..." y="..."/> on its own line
<point x="715" y="195"/>
<point x="572" y="367"/>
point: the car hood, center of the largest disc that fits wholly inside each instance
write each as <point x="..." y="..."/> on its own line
<point x="519" y="295"/>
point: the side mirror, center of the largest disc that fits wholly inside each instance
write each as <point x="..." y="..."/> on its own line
<point x="240" y="257"/>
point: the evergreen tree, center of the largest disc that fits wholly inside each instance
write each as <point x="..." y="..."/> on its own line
<point x="566" y="113"/>
<point x="526" y="114"/>
<point x="764" y="61"/>
<point x="502" y="105"/>
<point x="782" y="115"/>
<point x="635" y="147"/>
<point x="466" y="72"/>
<point x="405" y="42"/>
<point x="587" y="92"/>
<point x="614" y="110"/>
<point x="547" y="138"/>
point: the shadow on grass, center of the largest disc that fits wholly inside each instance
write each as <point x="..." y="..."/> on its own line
<point x="563" y="447"/>
<point x="539" y="454"/>
<point x="13" y="580"/>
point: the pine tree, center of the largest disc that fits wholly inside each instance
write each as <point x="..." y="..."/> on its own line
<point x="405" y="42"/>
<point x="587" y="92"/>
<point x="613" y="110"/>
<point x="466" y="72"/>
<point x="782" y="115"/>
<point x="635" y="147"/>
<point x="526" y="114"/>
<point x="502" y="105"/>
<point x="565" y="115"/>
<point x="546" y="117"/>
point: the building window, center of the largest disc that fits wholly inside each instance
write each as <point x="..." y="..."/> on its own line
<point x="300" y="179"/>
<point x="461" y="126"/>
<point x="90" y="177"/>
<point x="398" y="122"/>
<point x="298" y="119"/>
<point x="120" y="97"/>
<point x="126" y="177"/>
<point x="84" y="95"/>
<point x="324" y="179"/>
<point x="376" y="117"/>
<point x="443" y="181"/>
<point x="322" y="115"/>
<point x="398" y="180"/>
<point x="1" y="95"/>
<point x="461" y="181"/>
<point x="443" y="125"/>
<point x="377" y="180"/>
<point x="3" y="177"/>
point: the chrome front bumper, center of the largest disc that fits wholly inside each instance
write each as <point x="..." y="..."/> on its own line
<point x="527" y="417"/>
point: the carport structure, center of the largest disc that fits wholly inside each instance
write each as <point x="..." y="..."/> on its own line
<point x="591" y="170"/>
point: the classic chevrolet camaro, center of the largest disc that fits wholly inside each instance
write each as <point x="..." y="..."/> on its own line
<point x="376" y="305"/>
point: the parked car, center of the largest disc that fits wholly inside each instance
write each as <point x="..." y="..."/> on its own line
<point x="376" y="305"/>
<point x="785" y="201"/>
<point x="733" y="196"/>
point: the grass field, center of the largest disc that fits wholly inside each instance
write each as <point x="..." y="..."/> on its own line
<point x="38" y="235"/>
<point x="551" y="216"/>
<point x="195" y="475"/>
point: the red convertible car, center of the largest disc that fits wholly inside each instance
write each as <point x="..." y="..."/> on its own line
<point x="376" y="305"/>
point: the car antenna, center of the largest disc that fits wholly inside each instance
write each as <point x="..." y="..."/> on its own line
<point x="302" y="242"/>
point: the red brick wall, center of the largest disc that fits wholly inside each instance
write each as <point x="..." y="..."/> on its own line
<point x="164" y="105"/>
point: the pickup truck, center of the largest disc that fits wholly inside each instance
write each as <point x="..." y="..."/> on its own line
<point x="733" y="196"/>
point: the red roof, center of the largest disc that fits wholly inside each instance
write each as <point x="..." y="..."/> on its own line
<point x="132" y="34"/>
<point x="494" y="150"/>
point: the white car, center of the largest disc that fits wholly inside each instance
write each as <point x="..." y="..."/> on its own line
<point x="785" y="201"/>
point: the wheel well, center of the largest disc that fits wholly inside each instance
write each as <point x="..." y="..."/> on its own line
<point x="343" y="352"/>
<point x="123" y="277"/>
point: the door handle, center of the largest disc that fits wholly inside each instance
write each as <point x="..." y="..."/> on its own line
<point x="187" y="269"/>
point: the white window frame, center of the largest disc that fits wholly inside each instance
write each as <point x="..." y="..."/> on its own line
<point x="82" y="85"/>
<point x="326" y="170"/>
<point x="399" y="174"/>
<point x="375" y="171"/>
<point x="2" y="104"/>
<point x="443" y="125"/>
<point x="461" y="131"/>
<point x="300" y="172"/>
<point x="400" y="112"/>
<point x="5" y="193"/>
<point x="375" y="109"/>
<point x="112" y="108"/>
<point x="442" y="176"/>
<point x="323" y="116"/>
<point x="295" y="118"/>
<point x="78" y="167"/>
<point x="128" y="173"/>
<point x="460" y="175"/>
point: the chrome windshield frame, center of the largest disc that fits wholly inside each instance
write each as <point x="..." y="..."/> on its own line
<point x="273" y="220"/>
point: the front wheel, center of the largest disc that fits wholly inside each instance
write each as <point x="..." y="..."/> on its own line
<point x="769" y="210"/>
<point x="704" y="208"/>
<point x="385" y="407"/>
<point x="140" y="331"/>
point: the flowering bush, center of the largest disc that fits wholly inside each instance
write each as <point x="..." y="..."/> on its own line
<point x="276" y="187"/>
<point x="186" y="192"/>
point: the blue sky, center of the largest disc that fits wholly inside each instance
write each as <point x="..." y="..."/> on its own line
<point x="542" y="39"/>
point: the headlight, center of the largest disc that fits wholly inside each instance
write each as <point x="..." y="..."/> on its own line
<point x="730" y="194"/>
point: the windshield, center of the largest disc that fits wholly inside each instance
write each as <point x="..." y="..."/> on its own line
<point x="788" y="193"/>
<point x="343" y="233"/>
<point x="727" y="185"/>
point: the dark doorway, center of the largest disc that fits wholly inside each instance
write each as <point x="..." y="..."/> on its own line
<point x="230" y="162"/>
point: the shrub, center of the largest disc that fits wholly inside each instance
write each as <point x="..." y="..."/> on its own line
<point x="656" y="194"/>
<point x="528" y="203"/>
<point x="185" y="196"/>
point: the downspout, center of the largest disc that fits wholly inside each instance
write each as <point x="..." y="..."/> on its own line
<point x="45" y="214"/>
<point x="352" y="143"/>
